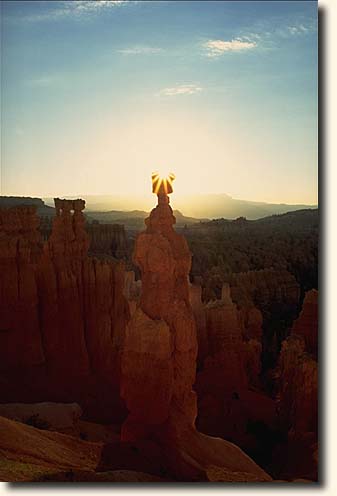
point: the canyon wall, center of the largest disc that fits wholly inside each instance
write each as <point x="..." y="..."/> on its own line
<point x="230" y="397"/>
<point x="307" y="323"/>
<point x="297" y="395"/>
<point x="104" y="239"/>
<point x="297" y="370"/>
<point x="270" y="413"/>
<point x="54" y="299"/>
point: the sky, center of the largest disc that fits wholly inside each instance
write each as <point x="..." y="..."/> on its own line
<point x="98" y="94"/>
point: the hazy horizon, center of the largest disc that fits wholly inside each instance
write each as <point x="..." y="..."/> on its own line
<point x="192" y="205"/>
<point x="97" y="95"/>
<point x="147" y="201"/>
<point x="197" y="206"/>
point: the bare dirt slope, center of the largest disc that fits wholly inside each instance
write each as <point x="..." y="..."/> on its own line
<point x="27" y="452"/>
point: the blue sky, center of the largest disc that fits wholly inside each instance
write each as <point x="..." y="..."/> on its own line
<point x="96" y="95"/>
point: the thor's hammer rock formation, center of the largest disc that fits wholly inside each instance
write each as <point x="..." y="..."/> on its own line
<point x="160" y="346"/>
<point x="159" y="358"/>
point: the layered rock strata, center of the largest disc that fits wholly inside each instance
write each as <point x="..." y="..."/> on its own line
<point x="62" y="313"/>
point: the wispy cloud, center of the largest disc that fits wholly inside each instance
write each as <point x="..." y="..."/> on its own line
<point x="139" y="50"/>
<point x="264" y="37"/>
<point x="215" y="48"/>
<point x="182" y="89"/>
<point x="272" y="37"/>
<point x="77" y="9"/>
<point x="300" y="29"/>
<point x="95" y="4"/>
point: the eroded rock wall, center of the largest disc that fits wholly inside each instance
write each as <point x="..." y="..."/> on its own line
<point x="20" y="251"/>
<point x="307" y="323"/>
<point x="62" y="313"/>
<point x="230" y="398"/>
<point x="297" y="374"/>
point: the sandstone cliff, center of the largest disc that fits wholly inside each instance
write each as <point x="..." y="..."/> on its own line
<point x="297" y="381"/>
<point x="228" y="385"/>
<point x="307" y="323"/>
<point x="297" y="375"/>
<point x="297" y="371"/>
<point x="199" y="313"/>
<point x="132" y="290"/>
<point x="54" y="299"/>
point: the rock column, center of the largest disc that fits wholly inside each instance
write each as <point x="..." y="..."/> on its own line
<point x="159" y="362"/>
<point x="160" y="348"/>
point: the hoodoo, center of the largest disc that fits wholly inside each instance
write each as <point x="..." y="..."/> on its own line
<point x="159" y="357"/>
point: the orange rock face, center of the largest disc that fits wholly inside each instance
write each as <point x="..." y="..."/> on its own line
<point x="233" y="356"/>
<point x="297" y="375"/>
<point x="62" y="314"/>
<point x="224" y="368"/>
<point x="225" y="403"/>
<point x="298" y="387"/>
<point x="132" y="290"/>
<point x="297" y="371"/>
<point x="307" y="323"/>
<point x="251" y="321"/>
<point x="160" y="347"/>
<point x="20" y="249"/>
<point x="199" y="313"/>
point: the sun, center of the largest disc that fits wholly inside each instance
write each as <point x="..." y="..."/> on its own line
<point x="162" y="182"/>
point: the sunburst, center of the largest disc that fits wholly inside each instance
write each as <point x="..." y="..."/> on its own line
<point x="162" y="183"/>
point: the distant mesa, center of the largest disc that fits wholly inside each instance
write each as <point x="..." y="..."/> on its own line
<point x="14" y="201"/>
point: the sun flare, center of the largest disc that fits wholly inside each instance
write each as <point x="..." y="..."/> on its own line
<point x="162" y="183"/>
